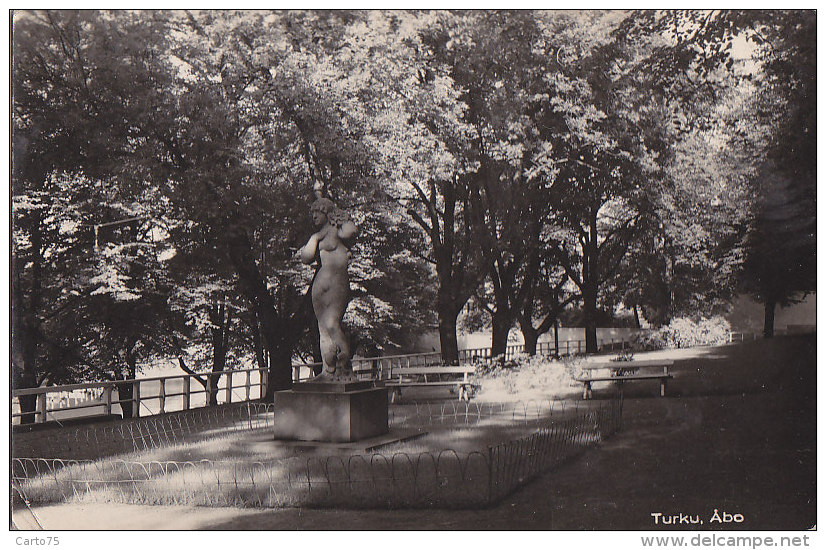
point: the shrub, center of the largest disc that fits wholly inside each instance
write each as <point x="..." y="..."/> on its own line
<point x="649" y="340"/>
<point x="684" y="332"/>
<point x="623" y="356"/>
<point x="525" y="373"/>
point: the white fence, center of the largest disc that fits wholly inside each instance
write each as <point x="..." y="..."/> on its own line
<point x="151" y="396"/>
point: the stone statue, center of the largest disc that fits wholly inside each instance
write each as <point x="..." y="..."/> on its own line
<point x="331" y="285"/>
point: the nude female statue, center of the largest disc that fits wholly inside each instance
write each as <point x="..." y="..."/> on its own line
<point x="331" y="286"/>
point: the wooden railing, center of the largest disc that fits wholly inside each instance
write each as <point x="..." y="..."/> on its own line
<point x="742" y="336"/>
<point x="163" y="394"/>
<point x="155" y="395"/>
<point x="788" y="331"/>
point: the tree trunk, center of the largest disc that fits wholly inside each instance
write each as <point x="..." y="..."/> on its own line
<point x="260" y="355"/>
<point x="280" y="375"/>
<point x="589" y="310"/>
<point x="212" y="395"/>
<point x="280" y="333"/>
<point x="25" y="344"/>
<point x="447" y="336"/>
<point x="556" y="337"/>
<point x="637" y="323"/>
<point x="28" y="406"/>
<point x="25" y="370"/>
<point x="530" y="335"/>
<point x="220" y="339"/>
<point x="125" y="397"/>
<point x="591" y="345"/>
<point x="125" y="389"/>
<point x="501" y="324"/>
<point x="768" y="319"/>
<point x="590" y="282"/>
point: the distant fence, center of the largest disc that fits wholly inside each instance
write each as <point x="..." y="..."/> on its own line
<point x="547" y="349"/>
<point x="442" y="479"/>
<point x="181" y="392"/>
<point x="158" y="395"/>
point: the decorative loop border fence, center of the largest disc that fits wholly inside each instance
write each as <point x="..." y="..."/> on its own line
<point x="468" y="412"/>
<point x="141" y="434"/>
<point x="444" y="479"/>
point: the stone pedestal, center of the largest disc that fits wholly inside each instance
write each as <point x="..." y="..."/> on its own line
<point x="331" y="411"/>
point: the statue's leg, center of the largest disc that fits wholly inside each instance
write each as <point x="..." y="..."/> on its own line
<point x="339" y="348"/>
<point x="324" y="302"/>
<point x="343" y="364"/>
<point x="328" y="350"/>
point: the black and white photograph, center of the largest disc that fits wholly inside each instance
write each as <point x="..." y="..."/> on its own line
<point x="426" y="270"/>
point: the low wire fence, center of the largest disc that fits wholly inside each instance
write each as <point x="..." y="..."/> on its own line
<point x="430" y="479"/>
<point x="532" y="411"/>
<point x="142" y="434"/>
<point x="512" y="464"/>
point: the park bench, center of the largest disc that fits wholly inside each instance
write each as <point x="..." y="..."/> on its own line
<point x="625" y="371"/>
<point x="452" y="376"/>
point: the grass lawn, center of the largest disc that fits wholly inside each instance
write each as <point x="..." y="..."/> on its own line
<point x="449" y="465"/>
<point x="737" y="433"/>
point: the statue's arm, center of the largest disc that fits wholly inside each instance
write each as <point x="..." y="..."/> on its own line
<point x="347" y="232"/>
<point x="308" y="252"/>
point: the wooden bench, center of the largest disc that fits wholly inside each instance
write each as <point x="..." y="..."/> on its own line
<point x="626" y="371"/>
<point x="447" y="376"/>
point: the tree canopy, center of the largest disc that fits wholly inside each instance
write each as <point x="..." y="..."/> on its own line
<point x="163" y="164"/>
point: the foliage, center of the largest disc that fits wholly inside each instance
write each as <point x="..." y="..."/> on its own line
<point x="525" y="374"/>
<point x="623" y="356"/>
<point x="206" y="140"/>
<point x="607" y="153"/>
<point x="424" y="143"/>
<point x="648" y="340"/>
<point x="163" y="161"/>
<point x="773" y="130"/>
<point x="780" y="264"/>
<point x="685" y="332"/>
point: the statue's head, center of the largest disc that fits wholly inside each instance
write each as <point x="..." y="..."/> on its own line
<point x="324" y="209"/>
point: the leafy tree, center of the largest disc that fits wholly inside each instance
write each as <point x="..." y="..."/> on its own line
<point x="545" y="299"/>
<point x="50" y="257"/>
<point x="783" y="115"/>
<point x="220" y="122"/>
<point x="207" y="328"/>
<point x="78" y="82"/>
<point x="502" y="73"/>
<point x="685" y="260"/>
<point x="421" y="140"/>
<point x="499" y="60"/>
<point x="781" y="255"/>
<point x="605" y="172"/>
<point x="781" y="265"/>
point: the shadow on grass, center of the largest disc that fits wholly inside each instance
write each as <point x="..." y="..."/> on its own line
<point x="464" y="467"/>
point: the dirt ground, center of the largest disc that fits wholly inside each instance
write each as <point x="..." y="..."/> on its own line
<point x="736" y="435"/>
